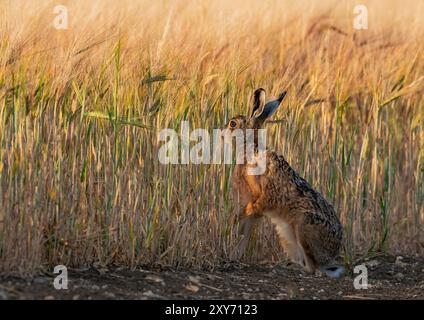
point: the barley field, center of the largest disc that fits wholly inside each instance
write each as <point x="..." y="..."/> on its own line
<point x="81" y="108"/>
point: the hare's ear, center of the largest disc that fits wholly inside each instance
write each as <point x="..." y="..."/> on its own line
<point x="258" y="102"/>
<point x="270" y="108"/>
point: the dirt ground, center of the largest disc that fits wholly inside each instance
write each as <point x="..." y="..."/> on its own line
<point x="389" y="277"/>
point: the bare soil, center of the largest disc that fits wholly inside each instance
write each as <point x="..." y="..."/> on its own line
<point x="389" y="277"/>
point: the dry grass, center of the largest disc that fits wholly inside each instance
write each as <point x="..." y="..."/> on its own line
<point x="80" y="180"/>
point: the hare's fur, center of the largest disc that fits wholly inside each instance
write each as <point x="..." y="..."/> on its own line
<point x="308" y="228"/>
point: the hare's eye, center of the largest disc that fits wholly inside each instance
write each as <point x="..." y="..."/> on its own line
<point x="233" y="124"/>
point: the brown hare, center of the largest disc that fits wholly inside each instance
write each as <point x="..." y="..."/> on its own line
<point x="308" y="228"/>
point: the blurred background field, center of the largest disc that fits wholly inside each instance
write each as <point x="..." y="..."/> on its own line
<point x="80" y="180"/>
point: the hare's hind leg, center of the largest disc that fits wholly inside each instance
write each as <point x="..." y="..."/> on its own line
<point x="310" y="264"/>
<point x="288" y="241"/>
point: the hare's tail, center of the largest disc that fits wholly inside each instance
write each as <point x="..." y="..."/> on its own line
<point x="333" y="271"/>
